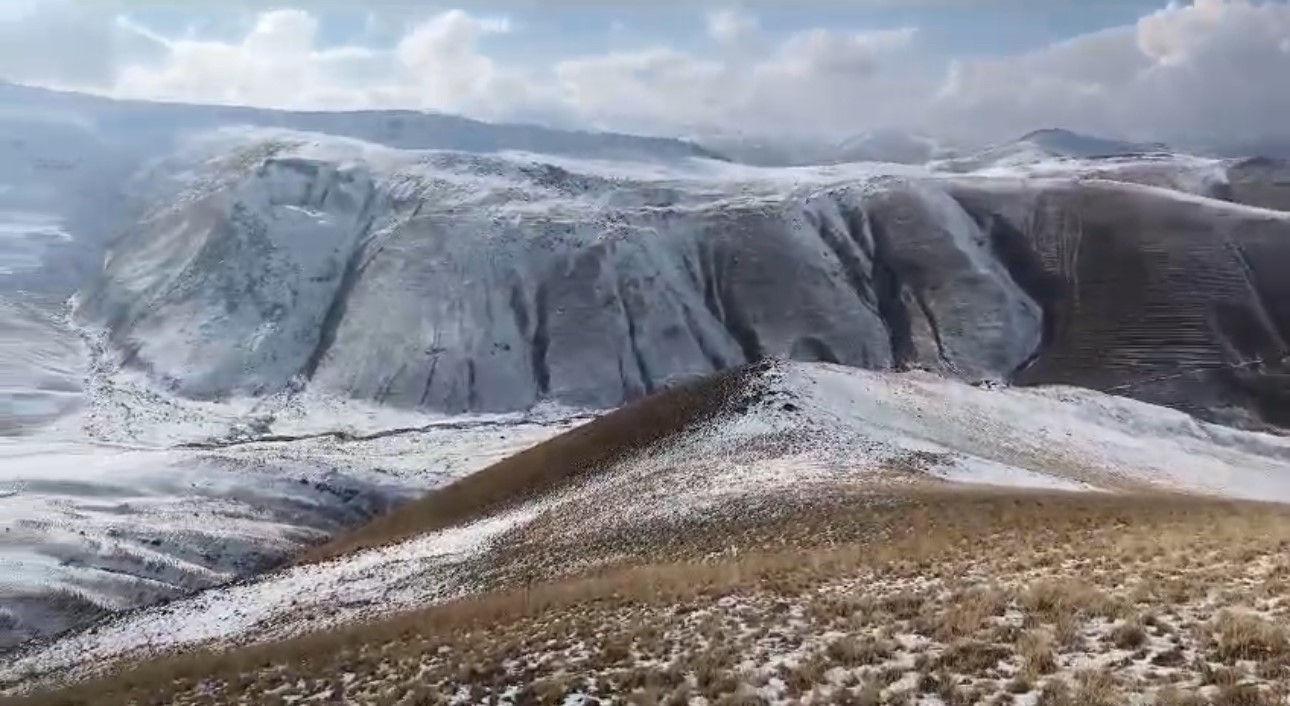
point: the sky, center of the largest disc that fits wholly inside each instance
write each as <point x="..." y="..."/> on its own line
<point x="967" y="71"/>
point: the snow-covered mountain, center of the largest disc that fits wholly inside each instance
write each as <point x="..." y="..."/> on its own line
<point x="469" y="282"/>
<point x="70" y="163"/>
<point x="102" y="507"/>
<point x="285" y="322"/>
<point x="891" y="145"/>
<point x="464" y="282"/>
<point x="905" y="147"/>
<point x="1046" y="146"/>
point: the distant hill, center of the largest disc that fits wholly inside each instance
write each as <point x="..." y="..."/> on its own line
<point x="1050" y="144"/>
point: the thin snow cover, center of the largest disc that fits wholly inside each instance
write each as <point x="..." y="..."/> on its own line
<point x="811" y="430"/>
<point x="819" y="427"/>
<point x="415" y="572"/>
<point x="1185" y="174"/>
<point x="1065" y="436"/>
<point x="1052" y="146"/>
<point x="115" y="494"/>
<point x="118" y="527"/>
<point x="25" y="238"/>
<point x="273" y="259"/>
<point x="127" y="495"/>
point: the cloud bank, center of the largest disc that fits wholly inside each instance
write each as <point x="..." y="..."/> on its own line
<point x="1185" y="73"/>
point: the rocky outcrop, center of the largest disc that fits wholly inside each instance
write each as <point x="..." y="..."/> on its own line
<point x="458" y="282"/>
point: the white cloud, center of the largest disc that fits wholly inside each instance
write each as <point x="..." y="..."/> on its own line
<point x="819" y="81"/>
<point x="56" y="43"/>
<point x="731" y="27"/>
<point x="279" y="63"/>
<point x="1183" y="73"/>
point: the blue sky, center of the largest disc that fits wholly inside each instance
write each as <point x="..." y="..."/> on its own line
<point x="556" y="28"/>
<point x="968" y="70"/>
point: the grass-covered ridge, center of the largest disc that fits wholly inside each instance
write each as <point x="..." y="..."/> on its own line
<point x="546" y="466"/>
<point x="973" y="597"/>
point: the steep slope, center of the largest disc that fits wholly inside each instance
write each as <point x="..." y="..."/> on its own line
<point x="455" y="282"/>
<point x="748" y="460"/>
<point x="70" y="166"/>
<point x="1261" y="182"/>
<point x="77" y="170"/>
<point x="1168" y="299"/>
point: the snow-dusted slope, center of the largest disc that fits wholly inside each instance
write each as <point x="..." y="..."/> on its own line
<point x="98" y="509"/>
<point x="894" y="146"/>
<point x="94" y="528"/>
<point x="76" y="171"/>
<point x="69" y="162"/>
<point x="1049" y="145"/>
<point x="160" y="124"/>
<point x="456" y="282"/>
<point x="803" y="431"/>
<point x="453" y="282"/>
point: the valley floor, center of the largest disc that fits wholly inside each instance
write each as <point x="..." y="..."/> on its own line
<point x="913" y="597"/>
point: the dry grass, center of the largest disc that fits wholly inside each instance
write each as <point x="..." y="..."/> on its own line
<point x="548" y="465"/>
<point x="1243" y="636"/>
<point x="964" y="596"/>
<point x="1129" y="636"/>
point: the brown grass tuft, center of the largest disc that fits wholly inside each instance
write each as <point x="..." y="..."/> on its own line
<point x="1129" y="636"/>
<point x="1242" y="636"/>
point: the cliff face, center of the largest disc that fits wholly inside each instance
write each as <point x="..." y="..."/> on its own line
<point x="455" y="282"/>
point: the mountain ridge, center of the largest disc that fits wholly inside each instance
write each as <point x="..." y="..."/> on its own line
<point x="457" y="282"/>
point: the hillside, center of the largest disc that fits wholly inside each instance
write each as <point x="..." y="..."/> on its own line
<point x="266" y="375"/>
<point x="966" y="606"/>
<point x="114" y="492"/>
<point x="761" y="501"/>
<point x="138" y="123"/>
<point x="453" y="282"/>
<point x="1050" y="145"/>
<point x="754" y="461"/>
<point x="892" y="145"/>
